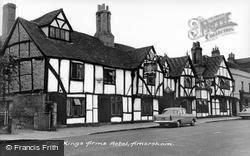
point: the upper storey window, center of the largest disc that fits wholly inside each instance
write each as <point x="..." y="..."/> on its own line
<point x="58" y="29"/>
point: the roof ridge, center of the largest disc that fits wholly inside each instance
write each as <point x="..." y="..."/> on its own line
<point x="47" y="18"/>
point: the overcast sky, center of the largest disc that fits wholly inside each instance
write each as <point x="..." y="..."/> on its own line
<point x="162" y="23"/>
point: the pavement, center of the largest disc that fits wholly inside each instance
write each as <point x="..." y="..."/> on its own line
<point x="82" y="131"/>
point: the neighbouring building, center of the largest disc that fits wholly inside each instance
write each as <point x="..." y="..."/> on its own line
<point x="203" y="85"/>
<point x="240" y="69"/>
<point x="179" y="83"/>
<point x="215" y="83"/>
<point x="91" y="79"/>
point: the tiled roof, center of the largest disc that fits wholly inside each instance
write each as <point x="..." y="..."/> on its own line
<point x="241" y="64"/>
<point x="176" y="65"/>
<point x="212" y="65"/>
<point x="47" y="18"/>
<point x="243" y="60"/>
<point x="85" y="48"/>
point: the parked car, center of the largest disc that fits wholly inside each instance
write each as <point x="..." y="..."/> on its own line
<point x="176" y="116"/>
<point x="245" y="113"/>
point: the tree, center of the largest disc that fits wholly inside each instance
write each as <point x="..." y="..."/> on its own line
<point x="7" y="69"/>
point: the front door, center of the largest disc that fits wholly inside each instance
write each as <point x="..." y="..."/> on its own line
<point x="104" y="108"/>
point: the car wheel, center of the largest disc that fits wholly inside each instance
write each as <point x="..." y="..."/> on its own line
<point x="192" y="123"/>
<point x="178" y="123"/>
<point x="162" y="125"/>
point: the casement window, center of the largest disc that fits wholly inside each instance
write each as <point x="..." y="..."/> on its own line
<point x="202" y="106"/>
<point x="76" y="107"/>
<point x="223" y="105"/>
<point x="116" y="105"/>
<point x="146" y="106"/>
<point x="151" y="79"/>
<point x="224" y="84"/>
<point x="187" y="82"/>
<point x="77" y="71"/>
<point x="109" y="76"/>
<point x="57" y="33"/>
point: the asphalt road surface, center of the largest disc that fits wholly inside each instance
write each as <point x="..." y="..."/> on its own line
<point x="228" y="138"/>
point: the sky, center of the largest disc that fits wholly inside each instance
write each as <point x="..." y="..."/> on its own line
<point x="161" y="23"/>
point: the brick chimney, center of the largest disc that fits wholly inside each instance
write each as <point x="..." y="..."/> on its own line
<point x="215" y="51"/>
<point x="196" y="51"/>
<point x="9" y="16"/>
<point x="103" y="27"/>
<point x="231" y="58"/>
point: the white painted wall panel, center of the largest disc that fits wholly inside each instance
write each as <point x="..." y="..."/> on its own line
<point x="157" y="82"/>
<point x="140" y="82"/>
<point x="116" y="119"/>
<point x="128" y="83"/>
<point x="150" y="118"/>
<point x="52" y="82"/>
<point x="95" y="101"/>
<point x="137" y="104"/>
<point x="109" y="89"/>
<point x="155" y="113"/>
<point x="137" y="116"/>
<point x="119" y="82"/>
<point x="76" y="86"/>
<point x="134" y="84"/>
<point x="130" y="104"/>
<point x="127" y="117"/>
<point x="161" y="88"/>
<point x="75" y="120"/>
<point x="144" y="118"/>
<point x="75" y="95"/>
<point x="89" y="78"/>
<point x="125" y="104"/>
<point x="89" y="100"/>
<point x="98" y="79"/>
<point x="155" y="105"/>
<point x="95" y="115"/>
<point x="89" y="117"/>
<point x="64" y="74"/>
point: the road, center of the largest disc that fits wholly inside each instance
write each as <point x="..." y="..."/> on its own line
<point x="228" y="138"/>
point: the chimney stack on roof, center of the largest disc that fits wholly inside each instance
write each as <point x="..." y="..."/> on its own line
<point x="231" y="57"/>
<point x="215" y="51"/>
<point x="103" y="26"/>
<point x="196" y="51"/>
<point x="9" y="16"/>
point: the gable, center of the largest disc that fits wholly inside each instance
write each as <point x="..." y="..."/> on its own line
<point x="19" y="44"/>
<point x="223" y="70"/>
<point x="187" y="69"/>
<point x="61" y="22"/>
<point x="150" y="62"/>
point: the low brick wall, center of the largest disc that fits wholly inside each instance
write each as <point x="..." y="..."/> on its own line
<point x="24" y="106"/>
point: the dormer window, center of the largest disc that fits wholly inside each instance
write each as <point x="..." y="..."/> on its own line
<point x="58" y="29"/>
<point x="57" y="33"/>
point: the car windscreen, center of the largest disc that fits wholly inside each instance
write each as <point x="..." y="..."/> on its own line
<point x="170" y="111"/>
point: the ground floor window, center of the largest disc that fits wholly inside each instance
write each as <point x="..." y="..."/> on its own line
<point x="202" y="106"/>
<point x="146" y="106"/>
<point x="116" y="105"/>
<point x="76" y="107"/>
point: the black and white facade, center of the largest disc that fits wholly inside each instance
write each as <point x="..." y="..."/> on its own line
<point x="91" y="79"/>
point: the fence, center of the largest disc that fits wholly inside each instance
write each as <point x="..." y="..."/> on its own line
<point x="3" y="121"/>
